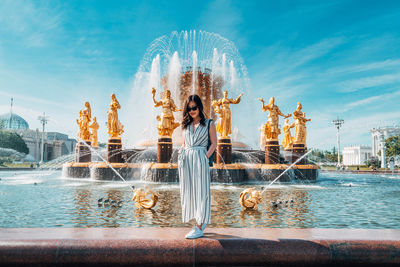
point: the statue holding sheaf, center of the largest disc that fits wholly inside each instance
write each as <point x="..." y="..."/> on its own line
<point x="221" y="107"/>
<point x="272" y="126"/>
<point x="83" y="123"/>
<point x="300" y="124"/>
<point x="167" y="124"/>
<point x="287" y="141"/>
<point x="115" y="128"/>
<point x="94" y="136"/>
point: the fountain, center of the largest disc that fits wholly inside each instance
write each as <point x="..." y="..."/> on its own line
<point x="183" y="64"/>
<point x="44" y="199"/>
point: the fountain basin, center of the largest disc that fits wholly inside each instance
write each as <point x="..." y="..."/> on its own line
<point x="168" y="172"/>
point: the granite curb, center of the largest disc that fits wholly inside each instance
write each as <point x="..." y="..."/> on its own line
<point x="219" y="247"/>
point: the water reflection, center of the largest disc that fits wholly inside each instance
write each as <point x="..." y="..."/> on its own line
<point x="144" y="217"/>
<point x="370" y="202"/>
<point x="111" y="216"/>
<point x="292" y="210"/>
<point x="83" y="208"/>
<point x="225" y="208"/>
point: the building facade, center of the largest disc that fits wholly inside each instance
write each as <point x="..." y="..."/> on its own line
<point x="356" y="155"/>
<point x="55" y="144"/>
<point x="378" y="136"/>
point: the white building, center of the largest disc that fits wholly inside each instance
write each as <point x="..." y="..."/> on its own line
<point x="55" y="144"/>
<point x="356" y="155"/>
<point x="378" y="137"/>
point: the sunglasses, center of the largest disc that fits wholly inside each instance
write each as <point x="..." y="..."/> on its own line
<point x="192" y="108"/>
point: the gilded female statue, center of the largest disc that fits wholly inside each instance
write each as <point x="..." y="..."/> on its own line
<point x="272" y="126"/>
<point x="167" y="124"/>
<point x="87" y="112"/>
<point x="300" y="123"/>
<point x="94" y="137"/>
<point x="115" y="128"/>
<point x="221" y="107"/>
<point x="85" y="116"/>
<point x="287" y="141"/>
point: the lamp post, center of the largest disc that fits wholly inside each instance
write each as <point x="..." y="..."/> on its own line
<point x="383" y="151"/>
<point x="43" y="120"/>
<point x="338" y="123"/>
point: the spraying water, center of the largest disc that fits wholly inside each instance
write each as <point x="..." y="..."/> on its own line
<point x="105" y="161"/>
<point x="232" y="74"/>
<point x="155" y="72"/>
<point x="174" y="75"/>
<point x="294" y="163"/>
<point x="194" y="79"/>
<point x="169" y="56"/>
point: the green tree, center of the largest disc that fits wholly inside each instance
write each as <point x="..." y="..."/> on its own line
<point x="373" y="162"/>
<point x="14" y="141"/>
<point x="392" y="145"/>
<point x="318" y="154"/>
<point x="102" y="144"/>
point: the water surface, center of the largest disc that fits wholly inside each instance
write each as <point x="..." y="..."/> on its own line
<point x="46" y="199"/>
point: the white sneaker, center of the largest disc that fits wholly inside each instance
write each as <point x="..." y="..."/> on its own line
<point x="191" y="232"/>
<point x="195" y="234"/>
<point x="203" y="227"/>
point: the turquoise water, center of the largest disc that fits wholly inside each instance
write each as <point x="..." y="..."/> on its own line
<point x="334" y="201"/>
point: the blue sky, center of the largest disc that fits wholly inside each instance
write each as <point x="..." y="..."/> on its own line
<point x="339" y="58"/>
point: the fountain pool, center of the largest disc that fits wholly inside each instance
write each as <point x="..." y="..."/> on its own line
<point x="333" y="201"/>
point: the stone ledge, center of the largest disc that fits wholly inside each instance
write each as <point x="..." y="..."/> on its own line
<point x="219" y="247"/>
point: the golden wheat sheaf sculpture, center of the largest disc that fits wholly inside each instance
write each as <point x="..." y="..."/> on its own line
<point x="140" y="196"/>
<point x="250" y="198"/>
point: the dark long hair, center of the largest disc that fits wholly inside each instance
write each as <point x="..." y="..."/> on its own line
<point x="187" y="119"/>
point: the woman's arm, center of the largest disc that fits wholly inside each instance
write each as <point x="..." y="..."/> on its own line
<point x="213" y="138"/>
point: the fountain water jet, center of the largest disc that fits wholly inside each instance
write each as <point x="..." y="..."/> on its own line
<point x="205" y="64"/>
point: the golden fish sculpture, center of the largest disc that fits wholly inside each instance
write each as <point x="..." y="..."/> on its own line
<point x="139" y="196"/>
<point x="250" y="198"/>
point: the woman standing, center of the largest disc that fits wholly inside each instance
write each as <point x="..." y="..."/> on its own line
<point x="193" y="165"/>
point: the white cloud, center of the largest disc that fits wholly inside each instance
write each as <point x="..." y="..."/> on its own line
<point x="368" y="82"/>
<point x="315" y="51"/>
<point x="355" y="130"/>
<point x="377" y="65"/>
<point x="30" y="21"/>
<point x="380" y="99"/>
<point x="361" y="102"/>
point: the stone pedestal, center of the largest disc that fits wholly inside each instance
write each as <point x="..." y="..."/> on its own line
<point x="288" y="155"/>
<point x="298" y="151"/>
<point x="114" y="148"/>
<point x="82" y="152"/>
<point x="224" y="151"/>
<point x="272" y="152"/>
<point x="164" y="149"/>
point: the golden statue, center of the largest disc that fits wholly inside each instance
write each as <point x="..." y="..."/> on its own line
<point x="300" y="123"/>
<point x="221" y="107"/>
<point x="287" y="141"/>
<point x="83" y="123"/>
<point x="115" y="128"/>
<point x="250" y="198"/>
<point x="94" y="137"/>
<point x="167" y="124"/>
<point x="139" y="196"/>
<point x="272" y="126"/>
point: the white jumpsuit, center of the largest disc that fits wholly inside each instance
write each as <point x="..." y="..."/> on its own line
<point x="194" y="175"/>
